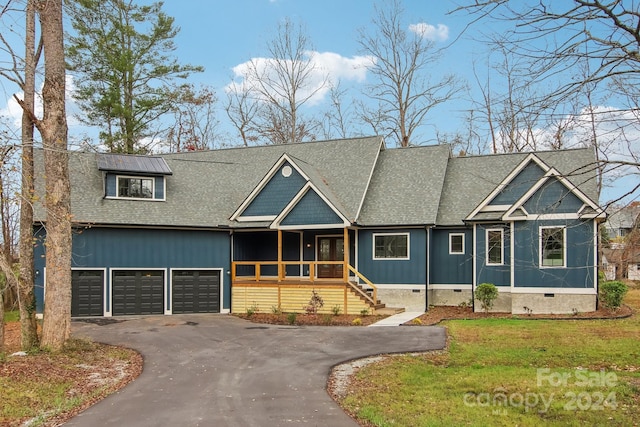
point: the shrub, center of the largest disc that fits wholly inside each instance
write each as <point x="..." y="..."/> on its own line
<point x="417" y="321"/>
<point x="315" y="303"/>
<point x="364" y="312"/>
<point x="357" y="321"/>
<point x="612" y="293"/>
<point x="276" y="309"/>
<point x="291" y="318"/>
<point x="336" y="310"/>
<point x="486" y="293"/>
<point x="252" y="309"/>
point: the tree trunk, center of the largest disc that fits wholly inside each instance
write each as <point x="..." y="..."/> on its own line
<point x="26" y="295"/>
<point x="53" y="127"/>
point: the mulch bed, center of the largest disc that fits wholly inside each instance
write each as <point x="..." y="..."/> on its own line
<point x="437" y="314"/>
<point x="303" y="319"/>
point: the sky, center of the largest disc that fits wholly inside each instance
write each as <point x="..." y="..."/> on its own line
<point x="223" y="35"/>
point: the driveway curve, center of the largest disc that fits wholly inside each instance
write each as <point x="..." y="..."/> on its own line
<point x="218" y="370"/>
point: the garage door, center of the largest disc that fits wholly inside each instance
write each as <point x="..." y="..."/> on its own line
<point x="196" y="291"/>
<point x="87" y="293"/>
<point x="138" y="292"/>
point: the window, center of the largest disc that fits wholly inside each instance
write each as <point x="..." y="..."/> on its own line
<point x="494" y="247"/>
<point x="135" y="187"/>
<point x="552" y="247"/>
<point x="456" y="243"/>
<point x="391" y="246"/>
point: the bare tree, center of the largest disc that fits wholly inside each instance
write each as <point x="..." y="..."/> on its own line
<point x="338" y="120"/>
<point x="403" y="91"/>
<point x="195" y="126"/>
<point x="583" y="51"/>
<point x="53" y="128"/>
<point x="283" y="84"/>
<point x="23" y="74"/>
<point x="242" y="110"/>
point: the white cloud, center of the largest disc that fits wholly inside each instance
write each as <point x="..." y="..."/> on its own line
<point x="327" y="68"/>
<point x="13" y="111"/>
<point x="427" y="31"/>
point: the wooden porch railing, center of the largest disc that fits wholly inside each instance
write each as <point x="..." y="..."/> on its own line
<point x="282" y="272"/>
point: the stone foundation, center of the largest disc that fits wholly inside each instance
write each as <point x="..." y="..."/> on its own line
<point x="449" y="297"/>
<point x="502" y="304"/>
<point x="409" y="299"/>
<point x="552" y="303"/>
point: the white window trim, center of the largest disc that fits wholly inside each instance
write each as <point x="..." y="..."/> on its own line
<point x="373" y="248"/>
<point x="564" y="246"/>
<point x="153" y="187"/>
<point x="451" y="252"/>
<point x="486" y="244"/>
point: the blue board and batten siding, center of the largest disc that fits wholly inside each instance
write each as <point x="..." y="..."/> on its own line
<point x="579" y="271"/>
<point x="553" y="198"/>
<point x="276" y="193"/>
<point x="447" y="268"/>
<point x="412" y="271"/>
<point x="520" y="184"/>
<point x="499" y="275"/>
<point x="113" y="248"/>
<point x="311" y="210"/>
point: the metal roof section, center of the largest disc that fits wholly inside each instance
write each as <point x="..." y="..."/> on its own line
<point x="151" y="165"/>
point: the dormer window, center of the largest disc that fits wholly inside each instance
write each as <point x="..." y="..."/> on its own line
<point x="135" y="187"/>
<point x="134" y="177"/>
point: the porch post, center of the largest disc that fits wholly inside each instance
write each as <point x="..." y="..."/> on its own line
<point x="345" y="268"/>
<point x="280" y="275"/>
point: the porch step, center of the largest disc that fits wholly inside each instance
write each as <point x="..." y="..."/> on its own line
<point x="366" y="295"/>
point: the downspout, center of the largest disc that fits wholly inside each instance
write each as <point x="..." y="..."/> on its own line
<point x="473" y="277"/>
<point x="427" y="263"/>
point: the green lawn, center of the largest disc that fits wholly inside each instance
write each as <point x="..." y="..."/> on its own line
<point x="506" y="372"/>
<point x="11" y="316"/>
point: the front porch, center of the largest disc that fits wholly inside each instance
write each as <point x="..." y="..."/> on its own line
<point x="292" y="293"/>
<point x="287" y="285"/>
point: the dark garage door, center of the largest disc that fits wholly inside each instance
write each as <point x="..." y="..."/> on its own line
<point x="87" y="293"/>
<point x="196" y="291"/>
<point x="138" y="292"/>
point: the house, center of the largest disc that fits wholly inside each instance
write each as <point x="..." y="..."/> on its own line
<point x="621" y="220"/>
<point x="622" y="262"/>
<point x="363" y="226"/>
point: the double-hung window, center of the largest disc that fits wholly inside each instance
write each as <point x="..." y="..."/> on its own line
<point x="456" y="243"/>
<point x="553" y="247"/>
<point x="495" y="245"/>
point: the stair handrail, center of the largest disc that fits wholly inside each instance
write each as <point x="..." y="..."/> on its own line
<point x="365" y="280"/>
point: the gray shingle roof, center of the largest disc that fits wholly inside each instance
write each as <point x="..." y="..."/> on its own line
<point x="471" y="179"/>
<point x="208" y="186"/>
<point x="406" y="187"/>
<point x="371" y="186"/>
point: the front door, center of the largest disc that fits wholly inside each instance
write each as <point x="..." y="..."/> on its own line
<point x="330" y="249"/>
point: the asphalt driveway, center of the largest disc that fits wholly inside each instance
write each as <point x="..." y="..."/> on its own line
<point x="218" y="370"/>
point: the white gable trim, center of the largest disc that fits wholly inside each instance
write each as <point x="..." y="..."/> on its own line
<point x="553" y="173"/>
<point x="304" y="190"/>
<point x="530" y="158"/>
<point x="284" y="158"/>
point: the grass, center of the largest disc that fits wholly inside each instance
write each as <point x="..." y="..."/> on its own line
<point x="11" y="316"/>
<point x="46" y="388"/>
<point x="506" y="372"/>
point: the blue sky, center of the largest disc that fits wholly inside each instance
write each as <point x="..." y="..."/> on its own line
<point x="222" y="35"/>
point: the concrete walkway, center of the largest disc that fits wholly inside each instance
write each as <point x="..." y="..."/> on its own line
<point x="398" y="319"/>
<point x="219" y="370"/>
